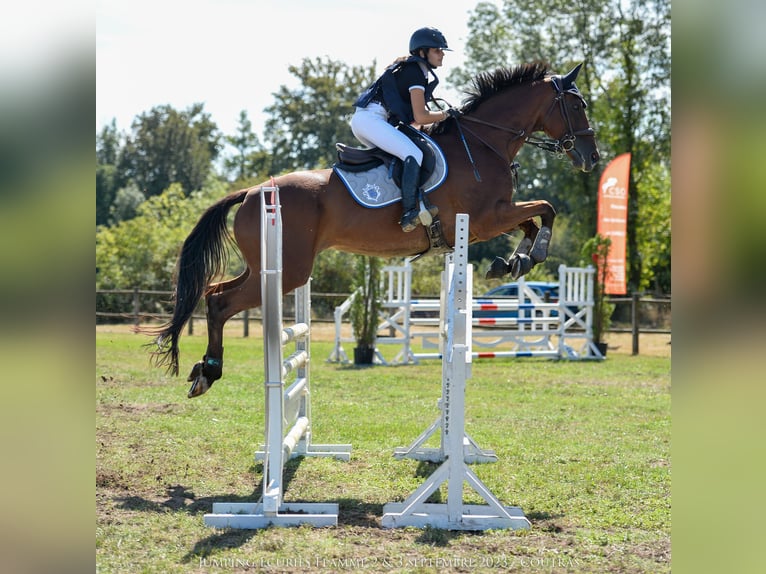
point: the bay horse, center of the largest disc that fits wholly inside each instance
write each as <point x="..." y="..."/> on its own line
<point x="500" y="113"/>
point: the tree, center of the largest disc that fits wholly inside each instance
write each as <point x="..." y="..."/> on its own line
<point x="108" y="145"/>
<point x="125" y="204"/>
<point x="626" y="47"/>
<point x="595" y="251"/>
<point x="251" y="161"/>
<point x="488" y="44"/>
<point x="365" y="307"/>
<point x="142" y="251"/>
<point x="106" y="191"/>
<point x="640" y="121"/>
<point x="305" y="123"/>
<point x="653" y="225"/>
<point x="108" y="177"/>
<point x="168" y="146"/>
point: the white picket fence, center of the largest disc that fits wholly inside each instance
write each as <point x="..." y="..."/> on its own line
<point x="560" y="330"/>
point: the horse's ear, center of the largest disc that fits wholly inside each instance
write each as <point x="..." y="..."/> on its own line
<point x="569" y="79"/>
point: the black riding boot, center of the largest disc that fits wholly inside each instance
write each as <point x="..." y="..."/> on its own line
<point x="410" y="180"/>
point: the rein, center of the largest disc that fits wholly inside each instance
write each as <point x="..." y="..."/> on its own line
<point x="517" y="134"/>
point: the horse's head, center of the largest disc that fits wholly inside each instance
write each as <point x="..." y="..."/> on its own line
<point x="566" y="123"/>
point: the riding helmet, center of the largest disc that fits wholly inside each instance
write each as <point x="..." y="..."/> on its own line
<point x="427" y="38"/>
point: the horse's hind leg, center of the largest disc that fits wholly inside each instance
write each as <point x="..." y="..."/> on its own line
<point x="223" y="301"/>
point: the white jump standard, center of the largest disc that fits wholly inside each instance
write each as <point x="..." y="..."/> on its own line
<point x="472" y="453"/>
<point x="456" y="369"/>
<point x="283" y="406"/>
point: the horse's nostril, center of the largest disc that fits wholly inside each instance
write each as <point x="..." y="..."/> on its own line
<point x="594" y="156"/>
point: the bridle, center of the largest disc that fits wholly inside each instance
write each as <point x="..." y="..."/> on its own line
<point x="556" y="146"/>
<point x="566" y="142"/>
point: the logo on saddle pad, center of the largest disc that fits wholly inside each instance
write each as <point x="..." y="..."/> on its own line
<point x="376" y="187"/>
<point x="371" y="192"/>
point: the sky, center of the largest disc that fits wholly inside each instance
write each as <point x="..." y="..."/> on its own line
<point x="232" y="55"/>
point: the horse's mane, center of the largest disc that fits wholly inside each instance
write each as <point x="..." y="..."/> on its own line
<point x="486" y="84"/>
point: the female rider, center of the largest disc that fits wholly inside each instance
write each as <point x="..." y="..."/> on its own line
<point x="400" y="96"/>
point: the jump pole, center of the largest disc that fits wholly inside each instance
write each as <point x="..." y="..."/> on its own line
<point x="283" y="406"/>
<point x="456" y="370"/>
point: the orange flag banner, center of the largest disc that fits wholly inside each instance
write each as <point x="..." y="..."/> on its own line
<point x="613" y="220"/>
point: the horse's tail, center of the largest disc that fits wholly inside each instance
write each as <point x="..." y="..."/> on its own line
<point x="203" y="257"/>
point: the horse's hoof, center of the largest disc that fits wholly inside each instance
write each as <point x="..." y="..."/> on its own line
<point x="520" y="265"/>
<point x="200" y="384"/>
<point x="199" y="387"/>
<point x="498" y="269"/>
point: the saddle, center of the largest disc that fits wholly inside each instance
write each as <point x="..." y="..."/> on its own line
<point x="373" y="177"/>
<point x="357" y="159"/>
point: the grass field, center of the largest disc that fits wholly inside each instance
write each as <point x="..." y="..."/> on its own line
<point x="583" y="447"/>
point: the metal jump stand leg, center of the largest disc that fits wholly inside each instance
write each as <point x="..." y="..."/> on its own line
<point x="456" y="366"/>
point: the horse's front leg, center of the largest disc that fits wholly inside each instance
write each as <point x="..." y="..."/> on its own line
<point x="533" y="247"/>
<point x="539" y="249"/>
<point x="519" y="263"/>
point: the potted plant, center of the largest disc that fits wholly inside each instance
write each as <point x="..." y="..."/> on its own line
<point x="365" y="307"/>
<point x="596" y="250"/>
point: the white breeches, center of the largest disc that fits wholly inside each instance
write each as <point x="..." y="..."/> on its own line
<point x="370" y="126"/>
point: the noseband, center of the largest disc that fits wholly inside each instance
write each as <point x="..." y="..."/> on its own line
<point x="559" y="146"/>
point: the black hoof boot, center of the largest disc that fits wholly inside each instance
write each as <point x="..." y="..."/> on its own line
<point x="520" y="264"/>
<point x="539" y="252"/>
<point x="498" y="269"/>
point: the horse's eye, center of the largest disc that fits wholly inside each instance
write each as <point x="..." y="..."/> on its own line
<point x="576" y="107"/>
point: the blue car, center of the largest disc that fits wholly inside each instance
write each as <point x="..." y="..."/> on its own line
<point x="547" y="292"/>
